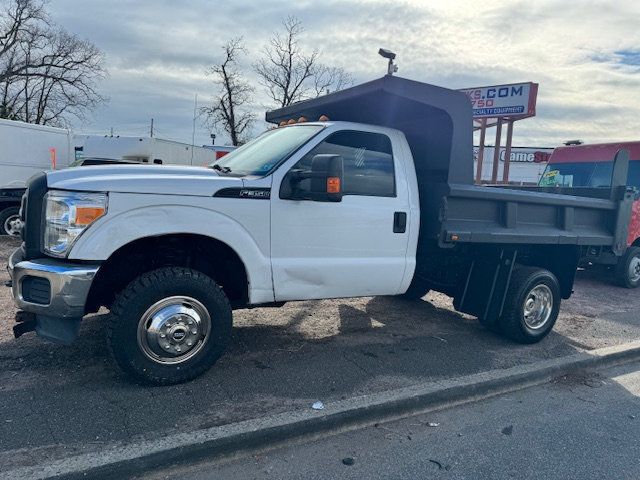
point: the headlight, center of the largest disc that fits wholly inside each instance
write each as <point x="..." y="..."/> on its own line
<point x="68" y="214"/>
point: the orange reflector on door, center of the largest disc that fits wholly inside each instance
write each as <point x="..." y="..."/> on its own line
<point x="333" y="184"/>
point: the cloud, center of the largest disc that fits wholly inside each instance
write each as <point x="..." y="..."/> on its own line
<point x="583" y="53"/>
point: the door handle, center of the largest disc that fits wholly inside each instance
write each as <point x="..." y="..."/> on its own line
<point x="399" y="222"/>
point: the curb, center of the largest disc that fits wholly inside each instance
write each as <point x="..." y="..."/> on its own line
<point x="122" y="460"/>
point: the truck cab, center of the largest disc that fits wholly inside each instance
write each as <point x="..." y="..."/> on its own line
<point x="324" y="246"/>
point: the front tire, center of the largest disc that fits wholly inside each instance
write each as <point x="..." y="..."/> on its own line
<point x="628" y="268"/>
<point x="532" y="305"/>
<point x="169" y="326"/>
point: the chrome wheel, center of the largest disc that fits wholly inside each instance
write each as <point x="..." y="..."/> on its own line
<point x="174" y="330"/>
<point x="13" y="225"/>
<point x="538" y="306"/>
<point x="634" y="270"/>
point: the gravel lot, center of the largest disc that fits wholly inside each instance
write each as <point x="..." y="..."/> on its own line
<point x="57" y="400"/>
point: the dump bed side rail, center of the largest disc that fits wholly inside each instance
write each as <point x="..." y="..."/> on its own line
<point x="472" y="214"/>
<point x="475" y="214"/>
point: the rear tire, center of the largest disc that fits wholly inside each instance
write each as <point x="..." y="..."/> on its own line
<point x="169" y="326"/>
<point x="532" y="305"/>
<point x="628" y="268"/>
<point x="9" y="217"/>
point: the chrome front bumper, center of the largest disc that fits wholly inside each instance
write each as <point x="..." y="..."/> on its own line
<point x="69" y="288"/>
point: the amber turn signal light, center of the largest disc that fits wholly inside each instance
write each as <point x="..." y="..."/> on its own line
<point x="87" y="215"/>
<point x="333" y="184"/>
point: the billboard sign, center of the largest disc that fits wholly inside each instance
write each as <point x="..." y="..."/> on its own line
<point x="513" y="100"/>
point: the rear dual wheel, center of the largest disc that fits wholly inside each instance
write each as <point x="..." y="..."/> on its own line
<point x="531" y="307"/>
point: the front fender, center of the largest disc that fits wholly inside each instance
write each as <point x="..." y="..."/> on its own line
<point x="120" y="228"/>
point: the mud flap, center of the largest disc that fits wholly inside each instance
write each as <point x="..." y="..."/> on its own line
<point x="486" y="286"/>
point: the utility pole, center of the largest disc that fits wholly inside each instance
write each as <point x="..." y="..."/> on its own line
<point x="151" y="132"/>
<point x="193" y="131"/>
<point x="112" y="131"/>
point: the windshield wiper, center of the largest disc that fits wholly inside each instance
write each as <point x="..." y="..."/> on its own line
<point x="217" y="167"/>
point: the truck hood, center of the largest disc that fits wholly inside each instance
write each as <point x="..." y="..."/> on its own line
<point x="159" y="179"/>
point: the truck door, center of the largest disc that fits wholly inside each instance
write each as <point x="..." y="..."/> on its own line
<point x="355" y="247"/>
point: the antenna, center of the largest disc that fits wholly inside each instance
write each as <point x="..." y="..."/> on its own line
<point x="388" y="54"/>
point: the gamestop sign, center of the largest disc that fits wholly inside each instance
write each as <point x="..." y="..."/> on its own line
<point x="514" y="100"/>
<point x="518" y="154"/>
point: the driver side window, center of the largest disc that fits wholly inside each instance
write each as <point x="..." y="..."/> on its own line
<point x="368" y="162"/>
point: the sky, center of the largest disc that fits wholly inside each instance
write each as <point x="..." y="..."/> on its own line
<point x="585" y="55"/>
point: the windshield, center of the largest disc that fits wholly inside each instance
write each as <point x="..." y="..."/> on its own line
<point x="262" y="155"/>
<point x="592" y="174"/>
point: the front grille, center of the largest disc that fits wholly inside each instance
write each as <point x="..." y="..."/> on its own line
<point x="36" y="290"/>
<point x="32" y="215"/>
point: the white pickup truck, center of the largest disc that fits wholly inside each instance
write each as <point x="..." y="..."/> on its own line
<point x="379" y="205"/>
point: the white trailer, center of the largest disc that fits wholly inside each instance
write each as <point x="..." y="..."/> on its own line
<point x="25" y="150"/>
<point x="145" y="150"/>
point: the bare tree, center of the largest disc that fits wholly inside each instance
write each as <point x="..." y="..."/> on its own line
<point x="330" y="79"/>
<point x="290" y="74"/>
<point x="20" y="21"/>
<point x="285" y="69"/>
<point x="46" y="74"/>
<point x="234" y="93"/>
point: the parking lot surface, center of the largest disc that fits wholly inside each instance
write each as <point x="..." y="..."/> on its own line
<point x="589" y="422"/>
<point x="57" y="401"/>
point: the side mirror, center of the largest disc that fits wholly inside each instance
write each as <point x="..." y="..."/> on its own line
<point x="325" y="180"/>
<point x="327" y="173"/>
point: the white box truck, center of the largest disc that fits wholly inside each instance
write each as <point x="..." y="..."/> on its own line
<point x="26" y="150"/>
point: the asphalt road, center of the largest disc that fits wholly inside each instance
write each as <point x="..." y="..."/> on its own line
<point x="57" y="401"/>
<point x="584" y="426"/>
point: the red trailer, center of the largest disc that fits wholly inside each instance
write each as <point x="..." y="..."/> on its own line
<point x="592" y="166"/>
